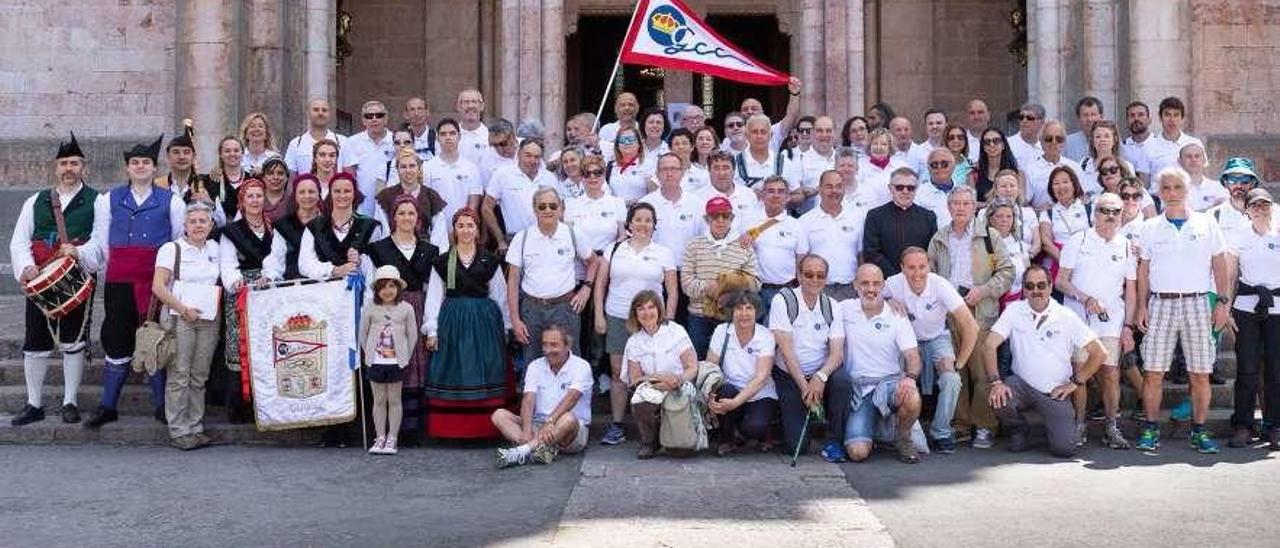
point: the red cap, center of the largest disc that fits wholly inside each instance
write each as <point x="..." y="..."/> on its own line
<point x="719" y="205"/>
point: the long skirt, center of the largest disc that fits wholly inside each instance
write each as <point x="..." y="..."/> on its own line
<point x="469" y="364"/>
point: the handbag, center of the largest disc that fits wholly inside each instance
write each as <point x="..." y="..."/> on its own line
<point x="155" y="347"/>
<point x="683" y="427"/>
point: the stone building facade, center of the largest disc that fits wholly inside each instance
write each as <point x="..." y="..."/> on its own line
<point x="121" y="71"/>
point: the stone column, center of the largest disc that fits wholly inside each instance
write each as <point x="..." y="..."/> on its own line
<point x="262" y="86"/>
<point x="849" y="67"/>
<point x="1100" y="73"/>
<point x="553" y="72"/>
<point x="1159" y="50"/>
<point x="320" y="50"/>
<point x="811" y="56"/>
<point x="206" y="67"/>
<point x="1046" y="49"/>
<point x="530" y="74"/>
<point x="509" y="76"/>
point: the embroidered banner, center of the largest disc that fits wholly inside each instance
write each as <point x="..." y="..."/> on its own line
<point x="667" y="34"/>
<point x="295" y="345"/>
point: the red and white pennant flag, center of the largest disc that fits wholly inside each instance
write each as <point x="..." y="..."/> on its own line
<point x="667" y="34"/>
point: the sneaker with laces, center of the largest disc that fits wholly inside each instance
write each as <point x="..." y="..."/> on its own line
<point x="982" y="439"/>
<point x="508" y="457"/>
<point x="389" y="447"/>
<point x="1203" y="443"/>
<point x="1114" y="437"/>
<point x="1082" y="433"/>
<point x="1150" y="438"/>
<point x="834" y="452"/>
<point x="543" y="454"/>
<point x="614" y="435"/>
<point x="376" y="448"/>
<point x="945" y="445"/>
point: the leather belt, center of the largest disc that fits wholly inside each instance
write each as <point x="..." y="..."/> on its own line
<point x="548" y="302"/>
<point x="1160" y="295"/>
<point x="791" y="284"/>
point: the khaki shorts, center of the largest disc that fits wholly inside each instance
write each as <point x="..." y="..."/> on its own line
<point x="1110" y="344"/>
<point x="579" y="441"/>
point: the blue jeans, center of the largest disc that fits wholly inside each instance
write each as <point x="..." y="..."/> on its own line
<point x="700" y="329"/>
<point x="931" y="351"/>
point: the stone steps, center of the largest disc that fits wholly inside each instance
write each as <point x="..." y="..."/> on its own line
<point x="134" y="430"/>
<point x="12" y="373"/>
<point x="134" y="399"/>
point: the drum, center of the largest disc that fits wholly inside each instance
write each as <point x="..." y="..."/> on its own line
<point x="60" y="287"/>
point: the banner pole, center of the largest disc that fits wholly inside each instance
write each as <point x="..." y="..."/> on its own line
<point x="617" y="62"/>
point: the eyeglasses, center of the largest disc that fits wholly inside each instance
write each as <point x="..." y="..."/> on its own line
<point x="1130" y="196"/>
<point x="992" y="142"/>
<point x="804" y="130"/>
<point x="593" y="173"/>
<point x="404" y="142"/>
<point x="501" y="144"/>
<point x="1028" y="117"/>
<point x="1109" y="210"/>
<point x="733" y="124"/>
<point x="939" y="165"/>
<point x="1054" y="138"/>
<point x="548" y="206"/>
<point x="904" y="188"/>
<point x="1109" y="170"/>
<point x="811" y="275"/>
<point x="1035" y="286"/>
<point x="374" y="115"/>
<point x="955" y="137"/>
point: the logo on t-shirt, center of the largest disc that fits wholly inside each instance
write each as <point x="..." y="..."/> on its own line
<point x="1116" y="258"/>
<point x="562" y="251"/>
<point x="606" y="213"/>
<point x="817" y="326"/>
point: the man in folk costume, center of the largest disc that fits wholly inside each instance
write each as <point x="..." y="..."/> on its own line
<point x="37" y="239"/>
<point x="131" y="222"/>
<point x="185" y="181"/>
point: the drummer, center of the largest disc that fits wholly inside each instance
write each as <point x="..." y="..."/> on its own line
<point x="37" y="240"/>
<point x="130" y="222"/>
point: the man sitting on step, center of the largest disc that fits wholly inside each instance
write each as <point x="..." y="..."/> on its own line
<point x="555" y="411"/>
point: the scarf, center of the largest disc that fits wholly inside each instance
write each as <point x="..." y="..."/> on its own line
<point x="879" y="163"/>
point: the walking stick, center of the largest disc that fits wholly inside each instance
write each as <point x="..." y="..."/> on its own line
<point x="815" y="411"/>
<point x="364" y="430"/>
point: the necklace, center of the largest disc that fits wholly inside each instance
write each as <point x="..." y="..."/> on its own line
<point x="345" y="225"/>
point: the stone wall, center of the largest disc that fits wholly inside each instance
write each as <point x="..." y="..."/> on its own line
<point x="103" y="69"/>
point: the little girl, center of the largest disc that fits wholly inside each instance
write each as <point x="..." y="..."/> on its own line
<point x="388" y="333"/>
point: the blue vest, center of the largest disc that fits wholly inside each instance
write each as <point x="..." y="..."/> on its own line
<point x="139" y="225"/>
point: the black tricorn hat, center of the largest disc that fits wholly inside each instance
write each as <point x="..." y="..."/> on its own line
<point x="69" y="149"/>
<point x="182" y="140"/>
<point x="145" y="151"/>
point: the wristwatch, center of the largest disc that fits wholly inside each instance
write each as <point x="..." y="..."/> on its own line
<point x="822" y="376"/>
<point x="993" y="378"/>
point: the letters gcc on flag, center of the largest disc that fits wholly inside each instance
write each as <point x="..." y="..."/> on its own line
<point x="667" y="34"/>
<point x="296" y="355"/>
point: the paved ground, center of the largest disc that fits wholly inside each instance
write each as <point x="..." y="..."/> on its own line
<point x="270" y="496"/>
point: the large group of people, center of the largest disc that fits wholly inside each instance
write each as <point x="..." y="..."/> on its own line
<point x="916" y="294"/>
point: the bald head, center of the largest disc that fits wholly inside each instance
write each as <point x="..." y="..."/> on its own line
<point x="978" y="115"/>
<point x="900" y="127"/>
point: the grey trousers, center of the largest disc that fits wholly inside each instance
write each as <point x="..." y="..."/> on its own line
<point x="538" y="316"/>
<point x="1059" y="416"/>
<point x="184" y="390"/>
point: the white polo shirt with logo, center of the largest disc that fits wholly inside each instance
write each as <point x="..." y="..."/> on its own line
<point x="1206" y="194"/>
<point x="1259" y="264"/>
<point x="1038" y="178"/>
<point x="678" y="222"/>
<point x="1162" y="153"/>
<point x="810" y="333"/>
<point x="658" y="353"/>
<point x="1181" y="259"/>
<point x="632" y="271"/>
<point x="873" y="346"/>
<point x="739" y="361"/>
<point x="550" y="388"/>
<point x="928" y="309"/>
<point x="456" y="182"/>
<point x="513" y="190"/>
<point x="778" y="249"/>
<point x="473" y="143"/>
<point x="1099" y="269"/>
<point x="746" y="206"/>
<point x="838" y="239"/>
<point x="547" y="263"/>
<point x="1042" y="343"/>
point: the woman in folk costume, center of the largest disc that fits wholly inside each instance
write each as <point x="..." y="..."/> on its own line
<point x="275" y="178"/>
<point x="412" y="255"/>
<point x="433" y="227"/>
<point x="334" y="244"/>
<point x="465" y="322"/>
<point x="35" y="242"/>
<point x="286" y="237"/>
<point x="244" y="248"/>
<point x="131" y="222"/>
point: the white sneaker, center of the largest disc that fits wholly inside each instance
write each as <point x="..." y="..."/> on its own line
<point x="376" y="448"/>
<point x="389" y="447"/>
<point x="603" y="383"/>
<point x="510" y="457"/>
<point x="982" y="439"/>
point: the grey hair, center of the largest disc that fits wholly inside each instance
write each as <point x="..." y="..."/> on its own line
<point x="1034" y="108"/>
<point x="197" y="206"/>
<point x="846" y="152"/>
<point x="545" y="190"/>
<point x="562" y="330"/>
<point x="501" y="126"/>
<point x="531" y="128"/>
<point x="1174" y="172"/>
<point x="370" y="104"/>
<point x="962" y="189"/>
<point x="758" y="119"/>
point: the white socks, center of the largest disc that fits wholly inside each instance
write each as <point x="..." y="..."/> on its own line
<point x="72" y="371"/>
<point x="34" y="370"/>
<point x="523" y="450"/>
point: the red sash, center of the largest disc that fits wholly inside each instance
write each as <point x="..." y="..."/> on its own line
<point x="133" y="265"/>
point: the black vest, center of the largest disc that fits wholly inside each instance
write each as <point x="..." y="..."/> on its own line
<point x="251" y="251"/>
<point x="330" y="249"/>
<point x="415" y="270"/>
<point x="290" y="229"/>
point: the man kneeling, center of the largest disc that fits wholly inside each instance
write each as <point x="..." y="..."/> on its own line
<point x="1043" y="335"/>
<point x="556" y="409"/>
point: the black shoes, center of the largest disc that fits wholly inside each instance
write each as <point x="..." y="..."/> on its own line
<point x="1240" y="437"/>
<point x="70" y="413"/>
<point x="160" y="418"/>
<point x="101" y="416"/>
<point x="28" y="415"/>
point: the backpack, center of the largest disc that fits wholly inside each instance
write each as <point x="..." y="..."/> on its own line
<point x="751" y="182"/>
<point x="683" y="424"/>
<point x="824" y="302"/>
<point x="1088" y="214"/>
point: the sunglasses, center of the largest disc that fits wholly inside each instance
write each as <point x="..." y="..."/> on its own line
<point x="1054" y="138"/>
<point x="939" y="165"/>
<point x="593" y="173"/>
<point x="955" y="137"/>
<point x="733" y="124"/>
<point x="1109" y="170"/>
<point x="992" y="142"/>
<point x="1035" y="286"/>
<point x="814" y="275"/>
<point x="1239" y="179"/>
<point x="804" y="130"/>
<point x="374" y="115"/>
<point x="548" y="206"/>
<point x="1130" y="196"/>
<point x="501" y="144"/>
<point x="1028" y="117"/>
<point x="904" y="188"/>
<point x="628" y="140"/>
<point x="1109" y="210"/>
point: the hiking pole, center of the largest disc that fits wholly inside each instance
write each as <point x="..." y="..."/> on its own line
<point x="804" y="432"/>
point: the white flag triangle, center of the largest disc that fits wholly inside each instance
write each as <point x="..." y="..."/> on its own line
<point x="667" y="34"/>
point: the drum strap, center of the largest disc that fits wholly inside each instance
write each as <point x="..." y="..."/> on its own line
<point x="58" y="219"/>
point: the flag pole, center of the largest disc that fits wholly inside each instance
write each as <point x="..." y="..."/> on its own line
<point x="617" y="62"/>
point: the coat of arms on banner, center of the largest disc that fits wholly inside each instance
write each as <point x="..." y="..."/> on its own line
<point x="301" y="357"/>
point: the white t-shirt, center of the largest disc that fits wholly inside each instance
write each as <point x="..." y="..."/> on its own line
<point x="298" y="157"/>
<point x="1066" y="221"/>
<point x="1099" y="269"/>
<point x="928" y="310"/>
<point x="876" y="180"/>
<point x="1042" y="343"/>
<point x="837" y="239"/>
<point x="739" y="361"/>
<point x="1038" y="178"/>
<point x="1259" y="264"/>
<point x="473" y="143"/>
<point x="1181" y="259"/>
<point x="455" y="182"/>
<point x="696" y="180"/>
<point x="810" y="333"/>
<point x="746" y="205"/>
<point x="1024" y="152"/>
<point x="631" y="183"/>
<point x="1162" y="153"/>
<point x="1206" y="194"/>
<point x="658" y="353"/>
<point x="199" y="265"/>
<point x="551" y="388"/>
<point x="632" y="271"/>
<point x="873" y="346"/>
<point x="679" y="222"/>
<point x="934" y="199"/>
<point x="547" y="263"/>
<point x="596" y="220"/>
<point x="513" y="190"/>
<point x="808" y="168"/>
<point x="778" y="248"/>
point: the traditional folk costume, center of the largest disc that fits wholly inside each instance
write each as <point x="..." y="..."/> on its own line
<point x="244" y="250"/>
<point x="432" y="226"/>
<point x="135" y="226"/>
<point x="414" y="264"/>
<point x="34" y="242"/>
<point x="469" y="376"/>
